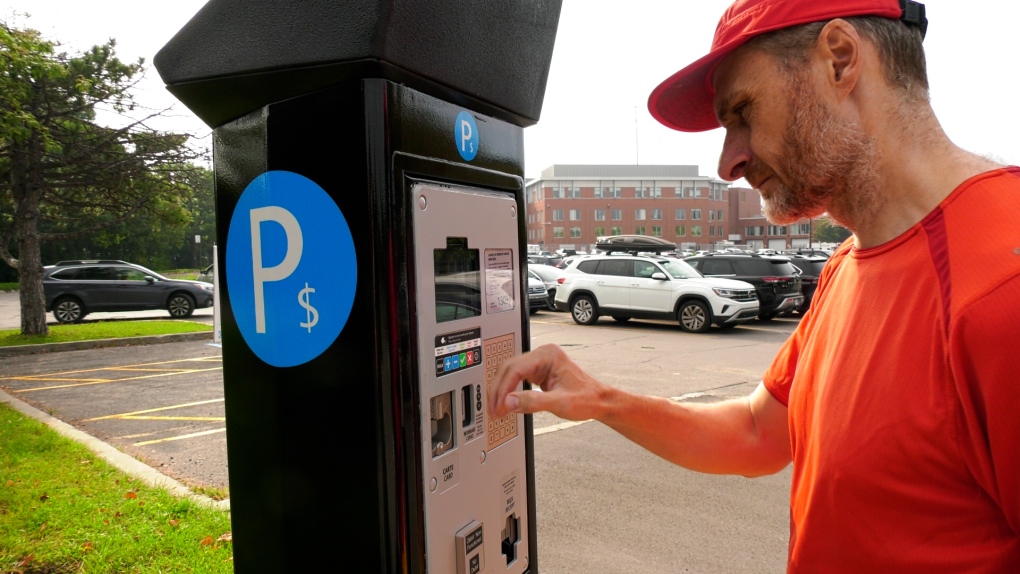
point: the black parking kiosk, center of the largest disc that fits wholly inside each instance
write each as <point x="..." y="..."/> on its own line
<point x="370" y="212"/>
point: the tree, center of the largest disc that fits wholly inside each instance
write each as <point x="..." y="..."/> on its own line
<point x="62" y="174"/>
<point x="826" y="231"/>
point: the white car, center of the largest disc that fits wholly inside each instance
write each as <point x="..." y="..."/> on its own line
<point x="626" y="286"/>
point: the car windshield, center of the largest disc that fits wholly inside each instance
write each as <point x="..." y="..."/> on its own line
<point x="678" y="269"/>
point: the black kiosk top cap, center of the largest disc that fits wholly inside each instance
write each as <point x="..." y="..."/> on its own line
<point x="236" y="56"/>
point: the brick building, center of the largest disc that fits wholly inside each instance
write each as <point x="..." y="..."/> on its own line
<point x="571" y="205"/>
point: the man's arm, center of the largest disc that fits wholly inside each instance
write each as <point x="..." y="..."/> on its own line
<point x="747" y="436"/>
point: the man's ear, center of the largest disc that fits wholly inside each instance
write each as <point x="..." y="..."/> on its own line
<point x="839" y="47"/>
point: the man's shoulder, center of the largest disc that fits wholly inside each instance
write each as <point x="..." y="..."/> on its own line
<point x="981" y="234"/>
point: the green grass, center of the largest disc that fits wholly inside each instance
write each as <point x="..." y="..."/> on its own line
<point x="101" y="330"/>
<point x="9" y="286"/>
<point x="64" y="510"/>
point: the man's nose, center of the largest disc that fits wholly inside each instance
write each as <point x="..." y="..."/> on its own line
<point x="735" y="157"/>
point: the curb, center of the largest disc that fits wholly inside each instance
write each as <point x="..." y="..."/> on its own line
<point x="16" y="350"/>
<point x="118" y="459"/>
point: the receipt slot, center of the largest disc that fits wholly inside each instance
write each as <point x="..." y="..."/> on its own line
<point x="368" y="161"/>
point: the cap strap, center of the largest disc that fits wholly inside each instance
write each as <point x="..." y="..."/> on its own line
<point x="913" y="14"/>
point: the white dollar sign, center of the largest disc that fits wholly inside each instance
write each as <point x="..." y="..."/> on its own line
<point x="311" y="315"/>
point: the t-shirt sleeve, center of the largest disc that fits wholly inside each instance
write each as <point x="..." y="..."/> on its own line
<point x="778" y="378"/>
<point x="985" y="359"/>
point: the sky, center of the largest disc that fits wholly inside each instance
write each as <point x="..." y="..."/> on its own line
<point x="608" y="57"/>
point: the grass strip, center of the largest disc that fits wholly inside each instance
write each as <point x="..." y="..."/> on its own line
<point x="64" y="510"/>
<point x="101" y="330"/>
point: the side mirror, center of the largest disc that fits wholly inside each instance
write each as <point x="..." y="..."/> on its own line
<point x="659" y="275"/>
<point x="150" y="279"/>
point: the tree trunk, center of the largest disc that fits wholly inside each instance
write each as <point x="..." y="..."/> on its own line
<point x="26" y="190"/>
<point x="30" y="288"/>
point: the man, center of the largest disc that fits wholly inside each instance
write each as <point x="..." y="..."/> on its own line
<point x="897" y="397"/>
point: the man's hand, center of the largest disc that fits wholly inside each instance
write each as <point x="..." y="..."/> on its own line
<point x="568" y="391"/>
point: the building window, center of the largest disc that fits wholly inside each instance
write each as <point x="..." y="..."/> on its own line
<point x="656" y="214"/>
<point x="696" y="230"/>
<point x="803" y="229"/>
<point x="600" y="231"/>
<point x="617" y="192"/>
<point x="557" y="232"/>
<point x="719" y="215"/>
<point x="557" y="215"/>
<point x="681" y="230"/>
<point x="640" y="192"/>
<point x="639" y="230"/>
<point x="575" y="232"/>
<point x="616" y="231"/>
<point x="711" y="231"/>
<point x="600" y="215"/>
<point x="777" y="230"/>
<point x="575" y="215"/>
<point x="575" y="192"/>
<point x="680" y="214"/>
<point x="756" y="231"/>
<point x="656" y="231"/>
<point x="639" y="214"/>
<point x="617" y="215"/>
<point x="696" y="214"/>
<point x="711" y="215"/>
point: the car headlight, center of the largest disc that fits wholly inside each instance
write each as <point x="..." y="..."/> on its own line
<point x="207" y="287"/>
<point x="728" y="293"/>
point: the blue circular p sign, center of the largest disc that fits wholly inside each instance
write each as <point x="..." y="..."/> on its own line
<point x="465" y="135"/>
<point x="291" y="268"/>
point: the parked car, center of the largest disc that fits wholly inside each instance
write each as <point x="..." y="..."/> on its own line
<point x="545" y="259"/>
<point x="73" y="289"/>
<point x="538" y="297"/>
<point x="549" y="276"/>
<point x="776" y="280"/>
<point x="810" y="268"/>
<point x="626" y="286"/>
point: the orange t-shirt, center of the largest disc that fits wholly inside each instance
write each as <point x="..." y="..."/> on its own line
<point x="903" y="388"/>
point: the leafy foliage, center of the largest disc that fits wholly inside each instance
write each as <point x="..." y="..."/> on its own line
<point x="63" y="174"/>
<point x="825" y="231"/>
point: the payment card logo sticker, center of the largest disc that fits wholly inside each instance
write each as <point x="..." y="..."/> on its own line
<point x="291" y="268"/>
<point x="465" y="134"/>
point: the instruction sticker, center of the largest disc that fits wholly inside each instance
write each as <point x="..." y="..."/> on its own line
<point x="457" y="351"/>
<point x="499" y="280"/>
<point x="497" y="350"/>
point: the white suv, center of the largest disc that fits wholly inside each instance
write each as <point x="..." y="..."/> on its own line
<point x="643" y="287"/>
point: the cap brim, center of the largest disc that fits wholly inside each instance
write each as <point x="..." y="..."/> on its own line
<point x="684" y="100"/>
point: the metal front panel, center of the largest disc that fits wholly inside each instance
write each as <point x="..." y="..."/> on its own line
<point x="469" y="319"/>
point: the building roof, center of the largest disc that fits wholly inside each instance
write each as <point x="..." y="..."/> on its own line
<point x="620" y="171"/>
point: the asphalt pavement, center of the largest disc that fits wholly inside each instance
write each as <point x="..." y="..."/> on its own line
<point x="604" y="505"/>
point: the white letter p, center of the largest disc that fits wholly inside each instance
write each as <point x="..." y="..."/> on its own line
<point x="295" y="246"/>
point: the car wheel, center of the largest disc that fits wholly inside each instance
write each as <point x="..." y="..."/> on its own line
<point x="694" y="317"/>
<point x="532" y="310"/>
<point x="584" y="311"/>
<point x="68" y="310"/>
<point x="621" y="319"/>
<point x="180" y="305"/>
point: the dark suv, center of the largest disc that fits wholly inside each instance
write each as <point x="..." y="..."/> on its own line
<point x="775" y="279"/>
<point x="811" y="270"/>
<point x="76" y="288"/>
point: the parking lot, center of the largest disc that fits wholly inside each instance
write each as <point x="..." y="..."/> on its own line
<point x="603" y="504"/>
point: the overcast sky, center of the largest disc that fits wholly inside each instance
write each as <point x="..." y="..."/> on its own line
<point x="609" y="55"/>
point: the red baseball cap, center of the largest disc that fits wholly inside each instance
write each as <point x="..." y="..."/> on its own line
<point x="684" y="101"/>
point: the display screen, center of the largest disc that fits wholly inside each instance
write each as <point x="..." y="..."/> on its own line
<point x="458" y="281"/>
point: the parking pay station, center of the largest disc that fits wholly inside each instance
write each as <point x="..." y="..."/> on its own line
<point x="370" y="216"/>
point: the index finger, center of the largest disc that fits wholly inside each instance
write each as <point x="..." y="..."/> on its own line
<point x="532" y="367"/>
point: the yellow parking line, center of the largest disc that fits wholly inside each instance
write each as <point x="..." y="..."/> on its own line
<point x="105" y="382"/>
<point x="182" y="437"/>
<point x="196" y="359"/>
<point x="149" y="418"/>
<point x="135" y="413"/>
